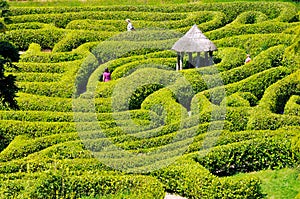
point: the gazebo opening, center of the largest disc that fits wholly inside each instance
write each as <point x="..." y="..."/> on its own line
<point x="198" y="48"/>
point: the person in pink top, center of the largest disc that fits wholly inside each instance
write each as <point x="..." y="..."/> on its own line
<point x="248" y="59"/>
<point x="106" y="75"/>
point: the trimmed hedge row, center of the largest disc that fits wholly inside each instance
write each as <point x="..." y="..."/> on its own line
<point x="61" y="20"/>
<point x="292" y="107"/>
<point x="267" y="59"/>
<point x="28" y="102"/>
<point x="240" y="99"/>
<point x="22" y="146"/>
<point x="235" y="29"/>
<point x="252" y="155"/>
<point x="37" y="77"/>
<point x="190" y="179"/>
<point x="106" y="89"/>
<point x="208" y="112"/>
<point x="43" y="116"/>
<point x="224" y="137"/>
<point x="257" y="44"/>
<point x="163" y="103"/>
<point x="281" y="10"/>
<point x="154" y="143"/>
<point x="255" y="84"/>
<point x="65" y="184"/>
<point x="227" y="59"/>
<point x="127" y="69"/>
<point x="273" y="103"/>
<point x="264" y="119"/>
<point x="96" y="25"/>
<point x="276" y="96"/>
<point x="46" y="38"/>
<point x="44" y="57"/>
<point x="74" y="39"/>
<point x="93" y="184"/>
<point x="28" y="25"/>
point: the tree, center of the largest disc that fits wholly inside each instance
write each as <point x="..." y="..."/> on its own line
<point x="8" y="55"/>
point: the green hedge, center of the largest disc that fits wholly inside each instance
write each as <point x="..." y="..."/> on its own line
<point x="37" y="77"/>
<point x="280" y="10"/>
<point x="223" y="136"/>
<point x="46" y="38"/>
<point x="152" y="143"/>
<point x="27" y="102"/>
<point x="255" y="84"/>
<point x="68" y="184"/>
<point x="96" y="25"/>
<point x="44" y="57"/>
<point x="127" y="69"/>
<point x="10" y="129"/>
<point x="18" y="26"/>
<point x="248" y="156"/>
<point x="164" y="104"/>
<point x="208" y="112"/>
<point x="240" y="99"/>
<point x="43" y="116"/>
<point x="22" y="146"/>
<point x="64" y="185"/>
<point x="235" y="29"/>
<point x="269" y="58"/>
<point x="190" y="179"/>
<point x="278" y="94"/>
<point x="264" y="119"/>
<point x="292" y="107"/>
<point x="74" y="39"/>
<point x="257" y="44"/>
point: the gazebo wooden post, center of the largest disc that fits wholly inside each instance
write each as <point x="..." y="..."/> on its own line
<point x="198" y="60"/>
<point x="190" y="59"/>
<point x="178" y="61"/>
<point x="181" y="60"/>
<point x="206" y="61"/>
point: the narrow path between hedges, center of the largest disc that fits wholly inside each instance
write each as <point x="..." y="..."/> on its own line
<point x="172" y="196"/>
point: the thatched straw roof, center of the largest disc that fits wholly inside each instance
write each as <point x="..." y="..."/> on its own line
<point x="194" y="41"/>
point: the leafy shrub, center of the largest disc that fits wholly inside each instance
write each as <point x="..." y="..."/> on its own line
<point x="46" y="38"/>
<point x="292" y="107"/>
<point x="247" y="156"/>
<point x="75" y="38"/>
<point x="65" y="185"/>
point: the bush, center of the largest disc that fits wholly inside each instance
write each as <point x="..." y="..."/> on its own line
<point x="192" y="180"/>
<point x="46" y="38"/>
<point x="292" y="107"/>
<point x="91" y="184"/>
<point x="76" y="38"/>
<point x="278" y="94"/>
<point x="248" y="156"/>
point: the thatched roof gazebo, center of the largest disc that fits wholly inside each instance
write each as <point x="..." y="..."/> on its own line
<point x="194" y="41"/>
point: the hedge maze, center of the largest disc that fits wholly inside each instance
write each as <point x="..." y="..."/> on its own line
<point x="151" y="129"/>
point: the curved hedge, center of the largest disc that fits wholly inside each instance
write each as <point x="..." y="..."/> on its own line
<point x="292" y="107"/>
<point x="252" y="155"/>
<point x="188" y="178"/>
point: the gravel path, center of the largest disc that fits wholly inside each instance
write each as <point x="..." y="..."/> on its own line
<point x="172" y="196"/>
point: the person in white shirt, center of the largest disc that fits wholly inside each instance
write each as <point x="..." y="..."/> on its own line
<point x="129" y="25"/>
<point x="248" y="59"/>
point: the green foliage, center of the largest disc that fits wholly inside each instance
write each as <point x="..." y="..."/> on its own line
<point x="8" y="87"/>
<point x="247" y="156"/>
<point x="76" y="136"/>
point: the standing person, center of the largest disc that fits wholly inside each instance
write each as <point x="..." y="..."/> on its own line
<point x="129" y="25"/>
<point x="248" y="59"/>
<point x="106" y="75"/>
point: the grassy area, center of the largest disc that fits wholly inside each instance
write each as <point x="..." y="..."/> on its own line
<point x="279" y="184"/>
<point x="38" y="3"/>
